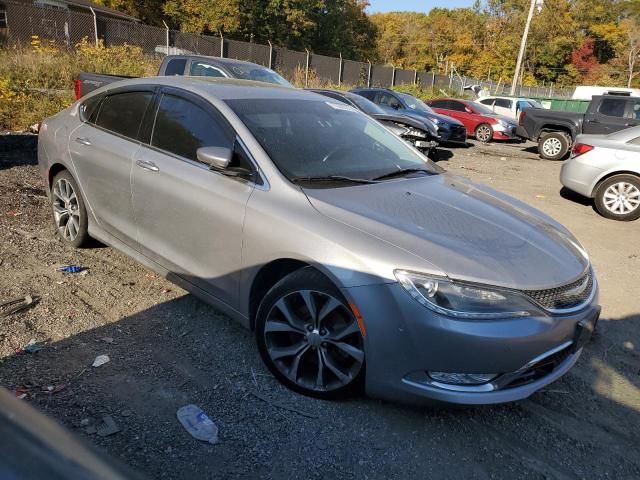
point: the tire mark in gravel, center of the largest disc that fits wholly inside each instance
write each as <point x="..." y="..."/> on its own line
<point x="530" y="456"/>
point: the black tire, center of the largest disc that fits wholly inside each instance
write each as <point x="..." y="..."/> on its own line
<point x="313" y="343"/>
<point x="618" y="198"/>
<point x="483" y="133"/>
<point x="71" y="228"/>
<point x="554" y="145"/>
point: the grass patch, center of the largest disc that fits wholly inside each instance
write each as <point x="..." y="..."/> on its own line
<point x="37" y="81"/>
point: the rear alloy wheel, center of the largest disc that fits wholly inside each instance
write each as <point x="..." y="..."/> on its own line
<point x="309" y="338"/>
<point x="69" y="213"/>
<point x="553" y="145"/>
<point x="618" y="198"/>
<point x="484" y="133"/>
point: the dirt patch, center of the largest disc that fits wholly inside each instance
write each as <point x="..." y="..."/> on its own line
<point x="167" y="349"/>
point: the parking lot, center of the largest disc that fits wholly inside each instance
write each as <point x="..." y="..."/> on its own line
<point x="168" y="349"/>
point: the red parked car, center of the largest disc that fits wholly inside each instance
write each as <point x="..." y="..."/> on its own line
<point x="479" y="120"/>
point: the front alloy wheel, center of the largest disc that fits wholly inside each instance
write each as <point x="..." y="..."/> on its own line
<point x="309" y="338"/>
<point x="484" y="133"/>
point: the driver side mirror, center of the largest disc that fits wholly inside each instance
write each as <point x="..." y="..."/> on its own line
<point x="395" y="106"/>
<point x="467" y="109"/>
<point x="218" y="158"/>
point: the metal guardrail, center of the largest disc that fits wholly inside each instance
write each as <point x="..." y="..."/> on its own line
<point x="67" y="28"/>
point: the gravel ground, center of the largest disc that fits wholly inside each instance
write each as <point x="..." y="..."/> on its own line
<point x="168" y="349"/>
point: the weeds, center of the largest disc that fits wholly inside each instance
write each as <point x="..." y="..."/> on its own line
<point x="37" y="81"/>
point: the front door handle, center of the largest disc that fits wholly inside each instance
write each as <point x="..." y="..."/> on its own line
<point x="152" y="167"/>
<point x="83" y="140"/>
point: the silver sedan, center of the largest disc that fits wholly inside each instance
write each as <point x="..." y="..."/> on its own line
<point x="606" y="168"/>
<point x="359" y="264"/>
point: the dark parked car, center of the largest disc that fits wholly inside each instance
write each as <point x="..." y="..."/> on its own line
<point x="449" y="130"/>
<point x="556" y="131"/>
<point x="420" y="133"/>
<point x="192" y="65"/>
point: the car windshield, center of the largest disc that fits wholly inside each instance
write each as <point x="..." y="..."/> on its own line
<point x="414" y="104"/>
<point x="482" y="109"/>
<point x="259" y="74"/>
<point x="366" y="105"/>
<point x="315" y="138"/>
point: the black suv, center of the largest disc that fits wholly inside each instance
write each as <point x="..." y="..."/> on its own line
<point x="449" y="130"/>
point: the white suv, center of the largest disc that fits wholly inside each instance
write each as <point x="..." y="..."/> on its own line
<point x="509" y="106"/>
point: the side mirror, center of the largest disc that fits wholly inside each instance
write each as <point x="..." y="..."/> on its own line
<point x="218" y="158"/>
<point x="395" y="106"/>
<point x="467" y="109"/>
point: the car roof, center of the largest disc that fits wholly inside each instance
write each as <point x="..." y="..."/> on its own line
<point x="222" y="88"/>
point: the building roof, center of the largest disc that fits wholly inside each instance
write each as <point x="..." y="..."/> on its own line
<point x="88" y="4"/>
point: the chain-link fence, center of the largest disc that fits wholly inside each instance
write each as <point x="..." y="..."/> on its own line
<point x="66" y="27"/>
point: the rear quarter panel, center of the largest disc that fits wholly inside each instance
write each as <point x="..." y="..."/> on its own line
<point x="53" y="141"/>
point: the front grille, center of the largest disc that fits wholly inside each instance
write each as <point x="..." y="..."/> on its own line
<point x="458" y="133"/>
<point x="565" y="297"/>
<point x="540" y="369"/>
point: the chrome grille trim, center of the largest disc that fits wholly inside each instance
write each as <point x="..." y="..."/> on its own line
<point x="568" y="298"/>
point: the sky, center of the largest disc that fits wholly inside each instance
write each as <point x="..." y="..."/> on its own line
<point x="414" y="5"/>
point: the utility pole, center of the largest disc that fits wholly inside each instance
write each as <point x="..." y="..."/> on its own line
<point x="523" y="46"/>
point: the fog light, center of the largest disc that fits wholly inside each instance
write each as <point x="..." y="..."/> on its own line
<point x="462" y="378"/>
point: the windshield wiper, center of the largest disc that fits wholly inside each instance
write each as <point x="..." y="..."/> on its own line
<point x="403" y="171"/>
<point x="331" y="178"/>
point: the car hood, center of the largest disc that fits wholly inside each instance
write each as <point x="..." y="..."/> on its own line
<point x="468" y="231"/>
<point x="439" y="116"/>
<point x="504" y="118"/>
<point x="421" y="116"/>
<point x="412" y="122"/>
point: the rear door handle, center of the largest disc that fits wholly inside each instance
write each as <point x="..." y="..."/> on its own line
<point x="83" y="140"/>
<point x="152" y="167"/>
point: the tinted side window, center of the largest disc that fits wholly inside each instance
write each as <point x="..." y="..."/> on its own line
<point x="201" y="69"/>
<point x="457" y="106"/>
<point x="368" y="94"/>
<point x="89" y="109"/>
<point x="122" y="112"/>
<point x="613" y="107"/>
<point x="176" y="66"/>
<point x="182" y="127"/>
<point x="503" y="102"/>
<point x="439" y="104"/>
<point x="488" y="101"/>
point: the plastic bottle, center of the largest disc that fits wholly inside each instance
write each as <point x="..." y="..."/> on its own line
<point x="198" y="424"/>
<point x="70" y="269"/>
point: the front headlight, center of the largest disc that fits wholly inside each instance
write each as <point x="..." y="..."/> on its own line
<point x="503" y="123"/>
<point x="414" y="132"/>
<point x="435" y="121"/>
<point x="462" y="300"/>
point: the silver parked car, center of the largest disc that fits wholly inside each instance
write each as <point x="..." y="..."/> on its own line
<point x="607" y="169"/>
<point x="355" y="259"/>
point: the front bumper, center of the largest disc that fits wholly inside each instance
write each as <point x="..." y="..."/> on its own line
<point x="504" y="133"/>
<point x="452" y="134"/>
<point x="405" y="341"/>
